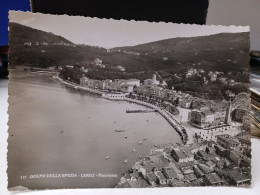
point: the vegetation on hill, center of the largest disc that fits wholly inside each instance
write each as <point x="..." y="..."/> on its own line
<point x="169" y="59"/>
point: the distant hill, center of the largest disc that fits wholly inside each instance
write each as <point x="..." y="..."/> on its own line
<point x="169" y="59"/>
<point x="227" y="52"/>
<point x="28" y="34"/>
<point x="32" y="47"/>
<point x="224" y="51"/>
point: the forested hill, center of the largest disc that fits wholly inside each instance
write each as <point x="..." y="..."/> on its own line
<point x="23" y="34"/>
<point x="224" y="51"/>
<point x="32" y="47"/>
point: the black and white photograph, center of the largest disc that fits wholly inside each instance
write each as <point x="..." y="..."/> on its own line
<point x="104" y="103"/>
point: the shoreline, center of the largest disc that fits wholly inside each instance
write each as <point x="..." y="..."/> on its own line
<point x="166" y="115"/>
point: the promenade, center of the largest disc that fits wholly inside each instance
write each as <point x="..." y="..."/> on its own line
<point x="165" y="114"/>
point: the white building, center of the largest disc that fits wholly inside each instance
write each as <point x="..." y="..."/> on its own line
<point x="152" y="81"/>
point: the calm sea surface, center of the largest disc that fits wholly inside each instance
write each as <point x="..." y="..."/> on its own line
<point x="54" y="129"/>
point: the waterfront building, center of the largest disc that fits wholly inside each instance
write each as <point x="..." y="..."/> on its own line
<point x="160" y="177"/>
<point x="151" y="178"/>
<point x="114" y="96"/>
<point x="169" y="173"/>
<point x="126" y="88"/>
<point x="84" y="80"/>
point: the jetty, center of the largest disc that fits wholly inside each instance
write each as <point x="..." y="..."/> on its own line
<point x="141" y="111"/>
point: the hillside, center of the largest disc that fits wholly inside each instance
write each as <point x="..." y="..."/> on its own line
<point x="207" y="52"/>
<point x="170" y="59"/>
<point x="31" y="47"/>
<point x="28" y="34"/>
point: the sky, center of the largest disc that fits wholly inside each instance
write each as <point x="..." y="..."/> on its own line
<point x="114" y="33"/>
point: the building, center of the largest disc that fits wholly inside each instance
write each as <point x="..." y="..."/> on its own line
<point x="152" y="81"/>
<point x="245" y="140"/>
<point x="121" y="68"/>
<point x="126" y="88"/>
<point x="169" y="173"/>
<point x="202" y="118"/>
<point x="98" y="62"/>
<point x="236" y="177"/>
<point x="134" y="82"/>
<point x="151" y="178"/>
<point x="223" y="80"/>
<point x="91" y="83"/>
<point x="185" y="102"/>
<point x="212" y="76"/>
<point x="181" y="155"/>
<point x="191" y="72"/>
<point x="132" y="53"/>
<point x="213" y="179"/>
<point x="227" y="142"/>
<point x="160" y="177"/>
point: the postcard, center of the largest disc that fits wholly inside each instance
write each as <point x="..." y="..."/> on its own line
<point x="103" y="103"/>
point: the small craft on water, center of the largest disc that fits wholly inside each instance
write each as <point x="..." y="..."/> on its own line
<point x="107" y="157"/>
<point x="120" y="130"/>
<point x="133" y="150"/>
<point x="144" y="139"/>
<point x="125" y="161"/>
<point x="140" y="142"/>
<point x="140" y="156"/>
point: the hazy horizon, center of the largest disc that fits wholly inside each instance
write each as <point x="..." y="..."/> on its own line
<point x="110" y="33"/>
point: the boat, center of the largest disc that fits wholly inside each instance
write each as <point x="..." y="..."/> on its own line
<point x="140" y="156"/>
<point x="144" y="139"/>
<point x="125" y="161"/>
<point x="107" y="157"/>
<point x="133" y="150"/>
<point x="140" y="142"/>
<point x="119" y="130"/>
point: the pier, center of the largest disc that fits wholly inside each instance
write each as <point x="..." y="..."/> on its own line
<point x="141" y="111"/>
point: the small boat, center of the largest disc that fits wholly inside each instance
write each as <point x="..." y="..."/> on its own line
<point x="119" y="130"/>
<point x="144" y="139"/>
<point x="140" y="156"/>
<point x="125" y="161"/>
<point x="133" y="150"/>
<point x="140" y="142"/>
<point x="107" y="157"/>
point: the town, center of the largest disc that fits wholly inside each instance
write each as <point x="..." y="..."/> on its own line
<point x="215" y="133"/>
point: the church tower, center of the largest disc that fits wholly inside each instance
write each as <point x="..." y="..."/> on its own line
<point x="228" y="113"/>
